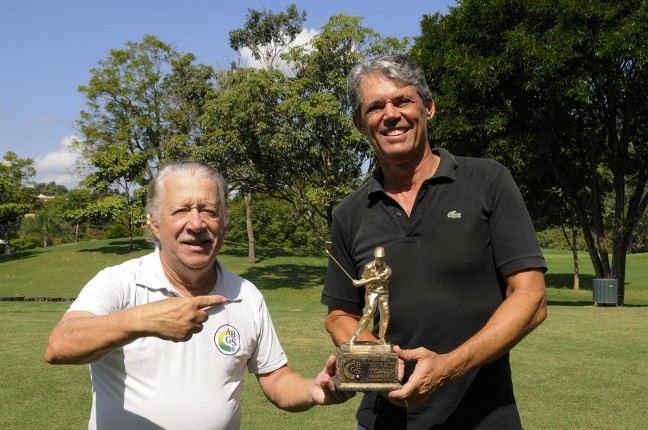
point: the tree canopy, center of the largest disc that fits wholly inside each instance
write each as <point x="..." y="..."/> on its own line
<point x="290" y="135"/>
<point x="143" y="105"/>
<point x="15" y="194"/>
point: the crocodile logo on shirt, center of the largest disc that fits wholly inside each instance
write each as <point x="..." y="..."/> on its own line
<point x="227" y="340"/>
<point x="454" y="214"/>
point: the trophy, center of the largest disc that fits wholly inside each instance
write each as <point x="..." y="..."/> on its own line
<point x="362" y="365"/>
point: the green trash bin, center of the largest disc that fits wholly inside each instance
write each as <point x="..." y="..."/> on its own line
<point x="606" y="292"/>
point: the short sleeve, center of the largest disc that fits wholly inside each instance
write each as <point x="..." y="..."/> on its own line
<point x="268" y="355"/>
<point x="103" y="295"/>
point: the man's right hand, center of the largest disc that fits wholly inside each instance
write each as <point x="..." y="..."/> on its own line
<point x="177" y="318"/>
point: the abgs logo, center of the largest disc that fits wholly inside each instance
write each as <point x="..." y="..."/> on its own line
<point x="227" y="340"/>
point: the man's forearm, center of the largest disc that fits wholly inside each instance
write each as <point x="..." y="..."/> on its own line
<point x="288" y="390"/>
<point x="522" y="311"/>
<point x="81" y="337"/>
<point x="341" y="326"/>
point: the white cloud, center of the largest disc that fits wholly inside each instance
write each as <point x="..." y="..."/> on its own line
<point x="302" y="38"/>
<point x="58" y="166"/>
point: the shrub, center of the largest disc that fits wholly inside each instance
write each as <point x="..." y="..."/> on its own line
<point x="29" y="242"/>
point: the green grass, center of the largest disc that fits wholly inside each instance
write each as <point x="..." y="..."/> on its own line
<point x="584" y="368"/>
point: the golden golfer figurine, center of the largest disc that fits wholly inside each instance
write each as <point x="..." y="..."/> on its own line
<point x="375" y="279"/>
<point x="369" y="366"/>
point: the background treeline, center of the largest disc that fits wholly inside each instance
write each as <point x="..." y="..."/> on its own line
<point x="556" y="90"/>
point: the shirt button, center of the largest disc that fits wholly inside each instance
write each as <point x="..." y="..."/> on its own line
<point x="399" y="214"/>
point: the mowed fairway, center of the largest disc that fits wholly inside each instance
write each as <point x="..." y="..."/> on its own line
<point x="585" y="368"/>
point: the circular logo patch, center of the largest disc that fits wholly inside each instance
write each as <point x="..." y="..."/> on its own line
<point x="227" y="340"/>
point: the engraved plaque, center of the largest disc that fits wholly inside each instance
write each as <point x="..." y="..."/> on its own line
<point x="365" y="366"/>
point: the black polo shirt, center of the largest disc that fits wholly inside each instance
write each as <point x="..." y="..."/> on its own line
<point x="469" y="228"/>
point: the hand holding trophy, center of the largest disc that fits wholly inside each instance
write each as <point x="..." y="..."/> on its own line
<point x="369" y="366"/>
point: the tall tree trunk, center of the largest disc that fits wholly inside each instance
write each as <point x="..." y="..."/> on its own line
<point x="574" y="249"/>
<point x="130" y="232"/>
<point x="248" y="226"/>
<point x="576" y="263"/>
<point x="620" y="247"/>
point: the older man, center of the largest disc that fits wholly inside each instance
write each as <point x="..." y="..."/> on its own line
<point x="169" y="336"/>
<point x="467" y="281"/>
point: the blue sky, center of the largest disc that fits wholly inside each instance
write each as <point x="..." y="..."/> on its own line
<point x="48" y="48"/>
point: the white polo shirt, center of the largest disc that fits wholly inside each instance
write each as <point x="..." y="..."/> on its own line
<point x="152" y="383"/>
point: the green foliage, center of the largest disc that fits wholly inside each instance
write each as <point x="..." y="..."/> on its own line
<point x="15" y="175"/>
<point x="50" y="189"/>
<point x="46" y="224"/>
<point x="142" y="108"/>
<point x="554" y="238"/>
<point x="275" y="222"/>
<point x="10" y="212"/>
<point x="120" y="209"/>
<point x="290" y="136"/>
<point x="24" y="243"/>
<point x="640" y="238"/>
<point x="15" y="195"/>
<point x="267" y="34"/>
<point x="116" y="231"/>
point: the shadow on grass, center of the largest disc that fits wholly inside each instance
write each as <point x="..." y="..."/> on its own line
<point x="591" y="304"/>
<point x="121" y="247"/>
<point x="566" y="281"/>
<point x="262" y="254"/>
<point x="569" y="303"/>
<point x="20" y="255"/>
<point x="285" y="276"/>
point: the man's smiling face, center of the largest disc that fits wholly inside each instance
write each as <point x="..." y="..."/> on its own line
<point x="189" y="226"/>
<point x="394" y="118"/>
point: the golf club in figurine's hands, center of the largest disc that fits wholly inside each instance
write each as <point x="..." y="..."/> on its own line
<point x="364" y="365"/>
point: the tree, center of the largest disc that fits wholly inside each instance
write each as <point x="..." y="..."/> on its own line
<point x="556" y="89"/>
<point x="240" y="147"/>
<point x="117" y="168"/>
<point x="267" y="34"/>
<point x="16" y="194"/>
<point x="145" y="98"/>
<point x="270" y="217"/>
<point x="327" y="153"/>
<point x="72" y="209"/>
<point x="143" y="105"/>
<point x="117" y="209"/>
<point x="45" y="224"/>
<point x="50" y="189"/>
<point x="291" y="135"/>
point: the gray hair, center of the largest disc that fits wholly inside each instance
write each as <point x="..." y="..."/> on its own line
<point x="397" y="67"/>
<point x="177" y="168"/>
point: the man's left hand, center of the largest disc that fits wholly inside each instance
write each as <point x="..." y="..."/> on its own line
<point x="430" y="373"/>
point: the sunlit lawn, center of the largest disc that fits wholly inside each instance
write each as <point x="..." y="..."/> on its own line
<point x="584" y="368"/>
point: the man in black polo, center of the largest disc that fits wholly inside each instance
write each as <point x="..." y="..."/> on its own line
<point x="467" y="282"/>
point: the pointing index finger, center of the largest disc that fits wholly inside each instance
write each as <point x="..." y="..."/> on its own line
<point x="203" y="302"/>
